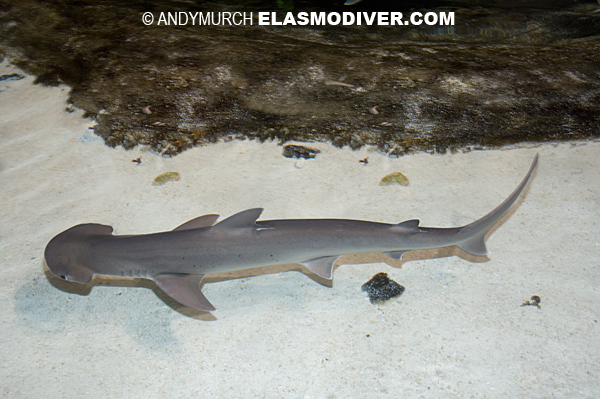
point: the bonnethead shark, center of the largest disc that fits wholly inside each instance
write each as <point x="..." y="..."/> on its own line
<point x="178" y="260"/>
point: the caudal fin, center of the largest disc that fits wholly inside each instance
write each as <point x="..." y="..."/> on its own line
<point x="476" y="231"/>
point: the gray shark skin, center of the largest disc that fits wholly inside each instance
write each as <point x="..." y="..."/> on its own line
<point x="178" y="260"/>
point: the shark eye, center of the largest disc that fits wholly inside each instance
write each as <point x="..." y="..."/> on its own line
<point x="62" y="276"/>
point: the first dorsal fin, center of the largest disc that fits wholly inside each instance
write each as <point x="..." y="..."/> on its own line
<point x="91" y="229"/>
<point x="198" y="223"/>
<point x="412" y="224"/>
<point x="242" y="219"/>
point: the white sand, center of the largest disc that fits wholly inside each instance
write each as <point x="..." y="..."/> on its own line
<point x="458" y="330"/>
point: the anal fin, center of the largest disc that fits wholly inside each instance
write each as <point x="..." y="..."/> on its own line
<point x="322" y="267"/>
<point x="185" y="289"/>
<point x="396" y="254"/>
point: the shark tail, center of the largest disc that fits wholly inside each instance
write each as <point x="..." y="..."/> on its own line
<point x="475" y="232"/>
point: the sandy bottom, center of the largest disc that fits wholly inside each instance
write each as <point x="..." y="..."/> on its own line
<point x="458" y="330"/>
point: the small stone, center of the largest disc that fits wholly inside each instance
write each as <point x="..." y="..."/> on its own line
<point x="300" y="163"/>
<point x="12" y="76"/>
<point x="535" y="301"/>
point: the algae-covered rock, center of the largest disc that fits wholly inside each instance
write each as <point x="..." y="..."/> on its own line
<point x="165" y="177"/>
<point x="495" y="77"/>
<point x="394" y="178"/>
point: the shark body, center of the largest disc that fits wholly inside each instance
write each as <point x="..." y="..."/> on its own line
<point x="178" y="260"/>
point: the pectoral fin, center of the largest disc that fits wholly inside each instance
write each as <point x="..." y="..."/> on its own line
<point x="185" y="289"/>
<point x="322" y="267"/>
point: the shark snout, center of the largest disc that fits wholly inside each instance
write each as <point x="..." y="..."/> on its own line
<point x="66" y="267"/>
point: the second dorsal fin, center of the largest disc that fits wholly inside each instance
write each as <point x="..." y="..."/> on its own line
<point x="412" y="224"/>
<point x="198" y="223"/>
<point x="242" y="219"/>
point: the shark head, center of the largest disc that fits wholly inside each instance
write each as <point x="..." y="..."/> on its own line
<point x="65" y="254"/>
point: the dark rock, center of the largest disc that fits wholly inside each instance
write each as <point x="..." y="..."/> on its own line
<point x="299" y="151"/>
<point x="381" y="288"/>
